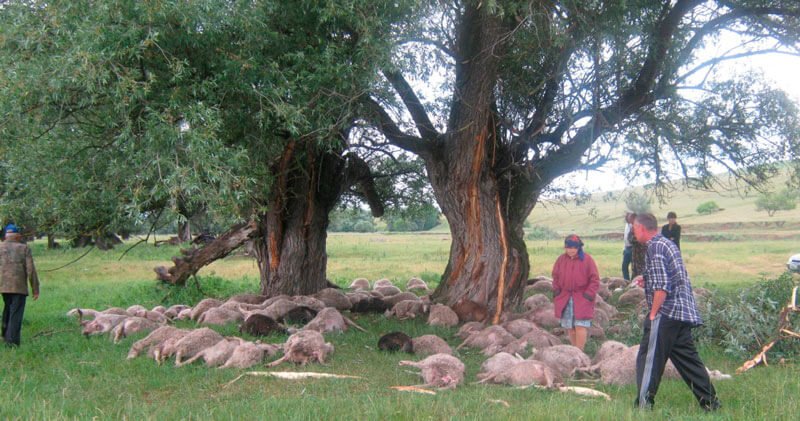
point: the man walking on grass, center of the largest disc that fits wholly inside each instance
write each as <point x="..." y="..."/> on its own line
<point x="16" y="270"/>
<point x="668" y="326"/>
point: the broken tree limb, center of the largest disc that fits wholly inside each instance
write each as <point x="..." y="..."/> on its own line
<point x="783" y="332"/>
<point x="292" y="375"/>
<point x="414" y="389"/>
<point x="195" y="258"/>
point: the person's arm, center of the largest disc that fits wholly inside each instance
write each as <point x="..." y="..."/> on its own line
<point x="556" y="278"/>
<point x="678" y="236"/>
<point x="33" y="277"/>
<point x="594" y="279"/>
<point x="659" y="296"/>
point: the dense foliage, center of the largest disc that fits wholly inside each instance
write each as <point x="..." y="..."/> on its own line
<point x="772" y="202"/>
<point x="742" y="323"/>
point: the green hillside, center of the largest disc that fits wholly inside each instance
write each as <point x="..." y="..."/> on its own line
<point x="602" y="215"/>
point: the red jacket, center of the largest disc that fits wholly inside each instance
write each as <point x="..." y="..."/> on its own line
<point x="578" y="279"/>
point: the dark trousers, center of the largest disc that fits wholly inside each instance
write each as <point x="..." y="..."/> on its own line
<point x="663" y="339"/>
<point x="627" y="258"/>
<point x="14" y="308"/>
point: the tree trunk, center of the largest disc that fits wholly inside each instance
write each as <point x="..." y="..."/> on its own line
<point x="291" y="248"/>
<point x="184" y="231"/>
<point x="488" y="260"/>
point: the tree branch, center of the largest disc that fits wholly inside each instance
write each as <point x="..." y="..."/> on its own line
<point x="413" y="104"/>
<point x="389" y="128"/>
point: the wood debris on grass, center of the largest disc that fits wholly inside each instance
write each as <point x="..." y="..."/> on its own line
<point x="583" y="391"/>
<point x="500" y="402"/>
<point x="413" y="389"/>
<point x="783" y="333"/>
<point x="292" y="375"/>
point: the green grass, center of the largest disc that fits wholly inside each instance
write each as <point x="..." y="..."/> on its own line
<point x="58" y="374"/>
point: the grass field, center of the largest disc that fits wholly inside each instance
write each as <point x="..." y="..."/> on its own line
<point x="58" y="374"/>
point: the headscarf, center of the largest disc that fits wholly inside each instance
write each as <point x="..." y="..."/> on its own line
<point x="573" y="241"/>
<point x="11" y="228"/>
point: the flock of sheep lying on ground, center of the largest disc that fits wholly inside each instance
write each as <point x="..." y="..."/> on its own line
<point x="534" y="332"/>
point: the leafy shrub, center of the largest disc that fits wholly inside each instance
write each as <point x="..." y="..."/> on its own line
<point x="538" y="232"/>
<point x="742" y="323"/>
<point x="706" y="208"/>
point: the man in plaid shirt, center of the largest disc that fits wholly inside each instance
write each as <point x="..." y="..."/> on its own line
<point x="668" y="326"/>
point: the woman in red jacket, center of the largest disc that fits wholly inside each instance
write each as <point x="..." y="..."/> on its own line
<point x="575" y="284"/>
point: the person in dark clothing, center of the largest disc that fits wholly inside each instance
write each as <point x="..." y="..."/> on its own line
<point x="672" y="230"/>
<point x="627" y="250"/>
<point x="16" y="271"/>
<point x="667" y="332"/>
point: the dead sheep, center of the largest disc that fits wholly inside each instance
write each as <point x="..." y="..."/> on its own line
<point x="607" y="350"/>
<point x="631" y="297"/>
<point x="173" y="311"/>
<point x="132" y="325"/>
<point x="185" y="314"/>
<point x="388" y="290"/>
<point x="151" y="315"/>
<point x="219" y="316"/>
<point x="600" y="303"/>
<point x="620" y="368"/>
<point x="355" y="297"/>
<point x="439" y="370"/>
<point x="492" y="335"/>
<point x="429" y="345"/>
<point x="442" y="315"/>
<point x="102" y="323"/>
<point x="525" y="373"/>
<point x="544" y="317"/>
<point x="497" y="363"/>
<point x="203" y="306"/>
<point x="403" y="296"/>
<point x="604" y="292"/>
<point x="360" y="283"/>
<point x="92" y="313"/>
<point x="540" y="339"/>
<point x="261" y="325"/>
<point x="276" y="310"/>
<point x="396" y="341"/>
<point x="248" y="354"/>
<point x="406" y="309"/>
<point x="248" y="298"/>
<point x="300" y="315"/>
<point x="615" y="282"/>
<point x="154" y="339"/>
<point x="518" y="347"/>
<point x="416" y="283"/>
<point x="194" y="342"/>
<point x="310" y="302"/>
<point x="600" y="318"/>
<point x="382" y="283"/>
<point x="469" y="311"/>
<point x="469" y="328"/>
<point x="564" y="359"/>
<point x="303" y="347"/>
<point x="330" y="320"/>
<point x="231" y="305"/>
<point x="268" y="302"/>
<point x="216" y="354"/>
<point x="136" y="308"/>
<point x="544" y="286"/>
<point x="159" y="309"/>
<point x="520" y="327"/>
<point x="536" y="301"/>
<point x="369" y="305"/>
<point x="333" y="298"/>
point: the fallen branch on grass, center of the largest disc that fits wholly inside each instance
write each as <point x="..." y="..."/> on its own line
<point x="291" y="375"/>
<point x="783" y="332"/>
<point x="413" y="389"/>
<point x="583" y="391"/>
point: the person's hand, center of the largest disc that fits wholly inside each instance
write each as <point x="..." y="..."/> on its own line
<point x="35" y="296"/>
<point x="639" y="280"/>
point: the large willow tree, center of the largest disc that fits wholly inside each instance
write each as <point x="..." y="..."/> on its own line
<point x="116" y="111"/>
<point x="536" y="89"/>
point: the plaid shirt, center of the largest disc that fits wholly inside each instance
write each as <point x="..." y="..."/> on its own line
<point x="664" y="270"/>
